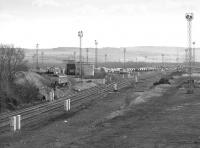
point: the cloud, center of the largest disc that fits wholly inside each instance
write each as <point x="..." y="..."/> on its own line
<point x="4" y="16"/>
<point x="44" y="3"/>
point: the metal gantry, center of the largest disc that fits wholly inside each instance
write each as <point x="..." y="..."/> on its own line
<point x="189" y="18"/>
<point x="80" y="35"/>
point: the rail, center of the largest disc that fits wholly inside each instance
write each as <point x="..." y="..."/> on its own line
<point x="35" y="113"/>
<point x="29" y="114"/>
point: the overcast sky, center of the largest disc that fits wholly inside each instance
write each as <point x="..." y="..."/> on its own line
<point x="118" y="23"/>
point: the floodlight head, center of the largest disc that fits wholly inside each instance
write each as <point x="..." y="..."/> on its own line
<point x="189" y="16"/>
<point x="80" y="33"/>
<point x="37" y="45"/>
<point x="96" y="43"/>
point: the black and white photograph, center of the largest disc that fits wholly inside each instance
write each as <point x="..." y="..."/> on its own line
<point x="99" y="74"/>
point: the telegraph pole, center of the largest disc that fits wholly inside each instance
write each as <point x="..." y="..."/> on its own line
<point x="74" y="56"/>
<point x="42" y="58"/>
<point x="37" y="62"/>
<point x="33" y="61"/>
<point x="87" y="50"/>
<point x="177" y="60"/>
<point x="163" y="60"/>
<point x="189" y="18"/>
<point x="105" y="59"/>
<point x="146" y="61"/>
<point x="96" y="54"/>
<point x="80" y="35"/>
<point x="124" y="56"/>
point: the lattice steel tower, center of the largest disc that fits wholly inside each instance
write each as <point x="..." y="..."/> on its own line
<point x="189" y="18"/>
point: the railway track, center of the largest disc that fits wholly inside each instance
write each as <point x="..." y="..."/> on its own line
<point x="35" y="114"/>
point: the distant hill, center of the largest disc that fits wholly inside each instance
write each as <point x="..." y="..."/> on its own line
<point x="139" y="53"/>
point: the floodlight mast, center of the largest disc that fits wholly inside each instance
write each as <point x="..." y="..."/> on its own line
<point x="193" y="53"/>
<point x="105" y="59"/>
<point x="124" y="56"/>
<point x="74" y="56"/>
<point x="189" y="18"/>
<point x="163" y="64"/>
<point x="80" y="35"/>
<point x="87" y="50"/>
<point x="42" y="57"/>
<point x="96" y="53"/>
<point x="37" y="62"/>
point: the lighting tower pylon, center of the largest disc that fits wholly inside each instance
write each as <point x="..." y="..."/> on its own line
<point x="105" y="59"/>
<point x="96" y="53"/>
<point x="37" y="58"/>
<point x="74" y="56"/>
<point x="177" y="57"/>
<point x="80" y="35"/>
<point x="186" y="58"/>
<point x="163" y="64"/>
<point x="124" y="56"/>
<point x="189" y="18"/>
<point x="87" y="50"/>
<point x="42" y="58"/>
<point x="193" y="55"/>
<point x="146" y="61"/>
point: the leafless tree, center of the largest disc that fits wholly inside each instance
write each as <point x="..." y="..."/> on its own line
<point x="11" y="61"/>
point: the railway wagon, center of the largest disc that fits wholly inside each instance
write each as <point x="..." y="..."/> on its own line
<point x="60" y="81"/>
